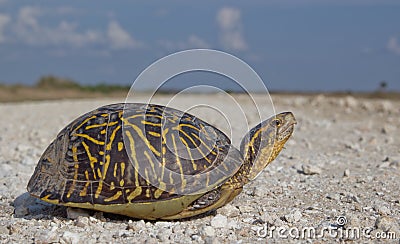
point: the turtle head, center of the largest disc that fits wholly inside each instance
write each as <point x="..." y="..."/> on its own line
<point x="262" y="144"/>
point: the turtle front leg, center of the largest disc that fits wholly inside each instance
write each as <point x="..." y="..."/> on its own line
<point x="208" y="202"/>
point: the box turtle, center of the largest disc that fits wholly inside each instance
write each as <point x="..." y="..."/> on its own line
<point x="152" y="162"/>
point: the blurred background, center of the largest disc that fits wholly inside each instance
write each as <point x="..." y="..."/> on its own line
<point x="294" y="45"/>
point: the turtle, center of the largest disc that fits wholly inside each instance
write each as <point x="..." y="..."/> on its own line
<point x="149" y="161"/>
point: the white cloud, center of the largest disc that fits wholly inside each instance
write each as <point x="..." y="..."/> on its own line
<point x="4" y="20"/>
<point x="29" y="30"/>
<point x="192" y="41"/>
<point x="120" y="38"/>
<point x="393" y="45"/>
<point x="27" y="17"/>
<point x="196" y="42"/>
<point x="231" y="27"/>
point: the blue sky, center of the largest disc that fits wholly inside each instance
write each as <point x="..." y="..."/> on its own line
<point x="292" y="44"/>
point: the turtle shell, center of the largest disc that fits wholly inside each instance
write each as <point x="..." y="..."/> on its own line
<point x="141" y="160"/>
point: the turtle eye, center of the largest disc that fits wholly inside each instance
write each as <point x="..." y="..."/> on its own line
<point x="276" y="122"/>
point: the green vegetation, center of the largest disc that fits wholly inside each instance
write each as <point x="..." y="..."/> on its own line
<point x="53" y="82"/>
<point x="53" y="87"/>
<point x="105" y="88"/>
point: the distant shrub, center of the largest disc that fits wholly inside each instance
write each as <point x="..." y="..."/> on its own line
<point x="53" y="82"/>
<point x="56" y="82"/>
<point x="105" y="88"/>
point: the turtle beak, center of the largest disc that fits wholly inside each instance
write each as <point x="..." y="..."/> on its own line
<point x="289" y="118"/>
<point x="287" y="128"/>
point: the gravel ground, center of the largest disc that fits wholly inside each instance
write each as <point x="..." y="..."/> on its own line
<point x="338" y="175"/>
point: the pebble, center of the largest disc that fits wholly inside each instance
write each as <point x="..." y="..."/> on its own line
<point x="323" y="225"/>
<point x="195" y="237"/>
<point x="163" y="224"/>
<point x="270" y="217"/>
<point x="346" y="173"/>
<point x="385" y="106"/>
<point x="191" y="231"/>
<point x="21" y="211"/>
<point x="177" y="229"/>
<point x="208" y="231"/>
<point x="219" y="221"/>
<point x="367" y="105"/>
<point x="244" y="232"/>
<point x="82" y="221"/>
<point x="385" y="164"/>
<point x="350" y="198"/>
<point x="333" y="196"/>
<point x="107" y="237"/>
<point x="22" y="200"/>
<point x="15" y="229"/>
<point x="310" y="169"/>
<point x="385" y="223"/>
<point x="246" y="209"/>
<point x="47" y="236"/>
<point x="71" y="237"/>
<point x="4" y="230"/>
<point x="6" y="169"/>
<point x="124" y="233"/>
<point x="395" y="164"/>
<point x="316" y="101"/>
<point x="25" y="204"/>
<point x="28" y="161"/>
<point x="395" y="161"/>
<point x="388" y="129"/>
<point x="164" y="235"/>
<point x="353" y="220"/>
<point x="74" y="213"/>
<point x="149" y="224"/>
<point x="299" y="101"/>
<point x="382" y="210"/>
<point x="353" y="146"/>
<point x="294" y="216"/>
<point x="232" y="224"/>
<point x="211" y="240"/>
<point x="93" y="219"/>
<point x="350" y="102"/>
<point x="229" y="210"/>
<point x="109" y="225"/>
